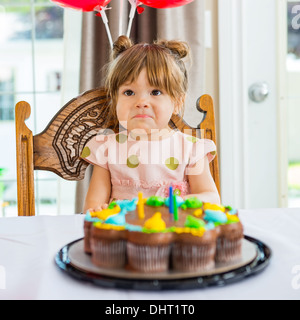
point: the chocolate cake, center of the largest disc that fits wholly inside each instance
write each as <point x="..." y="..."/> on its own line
<point x="157" y="235"/>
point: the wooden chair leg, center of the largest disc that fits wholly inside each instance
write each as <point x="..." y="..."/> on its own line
<point x="25" y="168"/>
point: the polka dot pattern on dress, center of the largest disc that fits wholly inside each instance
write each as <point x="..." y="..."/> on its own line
<point x="86" y="152"/>
<point x="132" y="161"/>
<point x="172" y="163"/>
<point x="121" y="138"/>
<point x="192" y="139"/>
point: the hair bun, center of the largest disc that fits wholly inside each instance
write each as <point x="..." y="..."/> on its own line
<point x="178" y="48"/>
<point x="120" y="45"/>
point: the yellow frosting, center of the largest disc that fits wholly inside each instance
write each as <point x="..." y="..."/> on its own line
<point x="194" y="231"/>
<point x="106" y="226"/>
<point x="105" y="213"/>
<point x="209" y="206"/>
<point x="197" y="232"/>
<point x="198" y="213"/>
<point x="155" y="223"/>
<point x="232" y="218"/>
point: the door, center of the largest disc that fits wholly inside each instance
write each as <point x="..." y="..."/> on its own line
<point x="252" y="96"/>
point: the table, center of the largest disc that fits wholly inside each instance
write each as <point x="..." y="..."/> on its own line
<point x="28" y="246"/>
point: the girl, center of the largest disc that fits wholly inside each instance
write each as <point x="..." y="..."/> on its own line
<point x="147" y="84"/>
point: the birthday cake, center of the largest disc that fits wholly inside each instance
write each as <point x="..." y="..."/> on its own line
<point x="157" y="235"/>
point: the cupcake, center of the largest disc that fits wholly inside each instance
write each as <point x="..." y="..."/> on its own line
<point x="149" y="250"/>
<point x="229" y="244"/>
<point x="195" y="246"/>
<point x="89" y="219"/>
<point x="97" y="216"/>
<point x="230" y="233"/>
<point x="108" y="245"/>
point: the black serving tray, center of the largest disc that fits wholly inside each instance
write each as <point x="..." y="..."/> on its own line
<point x="258" y="264"/>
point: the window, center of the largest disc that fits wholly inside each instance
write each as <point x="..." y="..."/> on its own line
<point x="7" y="99"/>
<point x="294" y="29"/>
<point x="32" y="61"/>
<point x="293" y="101"/>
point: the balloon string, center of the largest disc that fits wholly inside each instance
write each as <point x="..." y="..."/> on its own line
<point x="101" y="10"/>
<point x="131" y="16"/>
<point x="121" y="18"/>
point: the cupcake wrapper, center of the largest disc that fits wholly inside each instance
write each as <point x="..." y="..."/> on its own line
<point x="109" y="254"/>
<point x="148" y="258"/>
<point x="187" y="257"/>
<point x="87" y="242"/>
<point x="228" y="250"/>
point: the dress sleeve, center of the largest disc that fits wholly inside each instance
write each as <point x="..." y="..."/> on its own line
<point x="96" y="152"/>
<point x="200" y="149"/>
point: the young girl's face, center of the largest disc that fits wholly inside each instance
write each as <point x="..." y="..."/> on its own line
<point x="143" y="107"/>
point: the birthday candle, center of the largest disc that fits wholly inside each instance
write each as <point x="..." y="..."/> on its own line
<point x="141" y="212"/>
<point x="171" y="204"/>
<point x="175" y="208"/>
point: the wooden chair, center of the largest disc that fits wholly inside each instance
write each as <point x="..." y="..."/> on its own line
<point x="59" y="146"/>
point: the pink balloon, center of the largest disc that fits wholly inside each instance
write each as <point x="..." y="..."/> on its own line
<point x="163" y="4"/>
<point x="84" y="5"/>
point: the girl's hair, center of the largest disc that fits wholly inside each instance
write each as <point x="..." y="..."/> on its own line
<point x="164" y="65"/>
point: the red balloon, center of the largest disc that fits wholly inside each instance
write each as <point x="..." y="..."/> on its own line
<point x="163" y="4"/>
<point x="84" y="5"/>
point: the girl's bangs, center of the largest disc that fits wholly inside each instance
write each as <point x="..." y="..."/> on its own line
<point x="162" y="72"/>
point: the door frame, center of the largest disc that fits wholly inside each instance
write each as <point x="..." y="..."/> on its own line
<point x="233" y="103"/>
<point x="282" y="105"/>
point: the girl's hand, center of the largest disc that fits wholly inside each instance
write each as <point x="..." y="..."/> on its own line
<point x="99" y="208"/>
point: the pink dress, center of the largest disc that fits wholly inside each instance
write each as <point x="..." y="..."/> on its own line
<point x="148" y="166"/>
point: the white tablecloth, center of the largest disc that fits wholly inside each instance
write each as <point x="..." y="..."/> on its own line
<point x="28" y="246"/>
